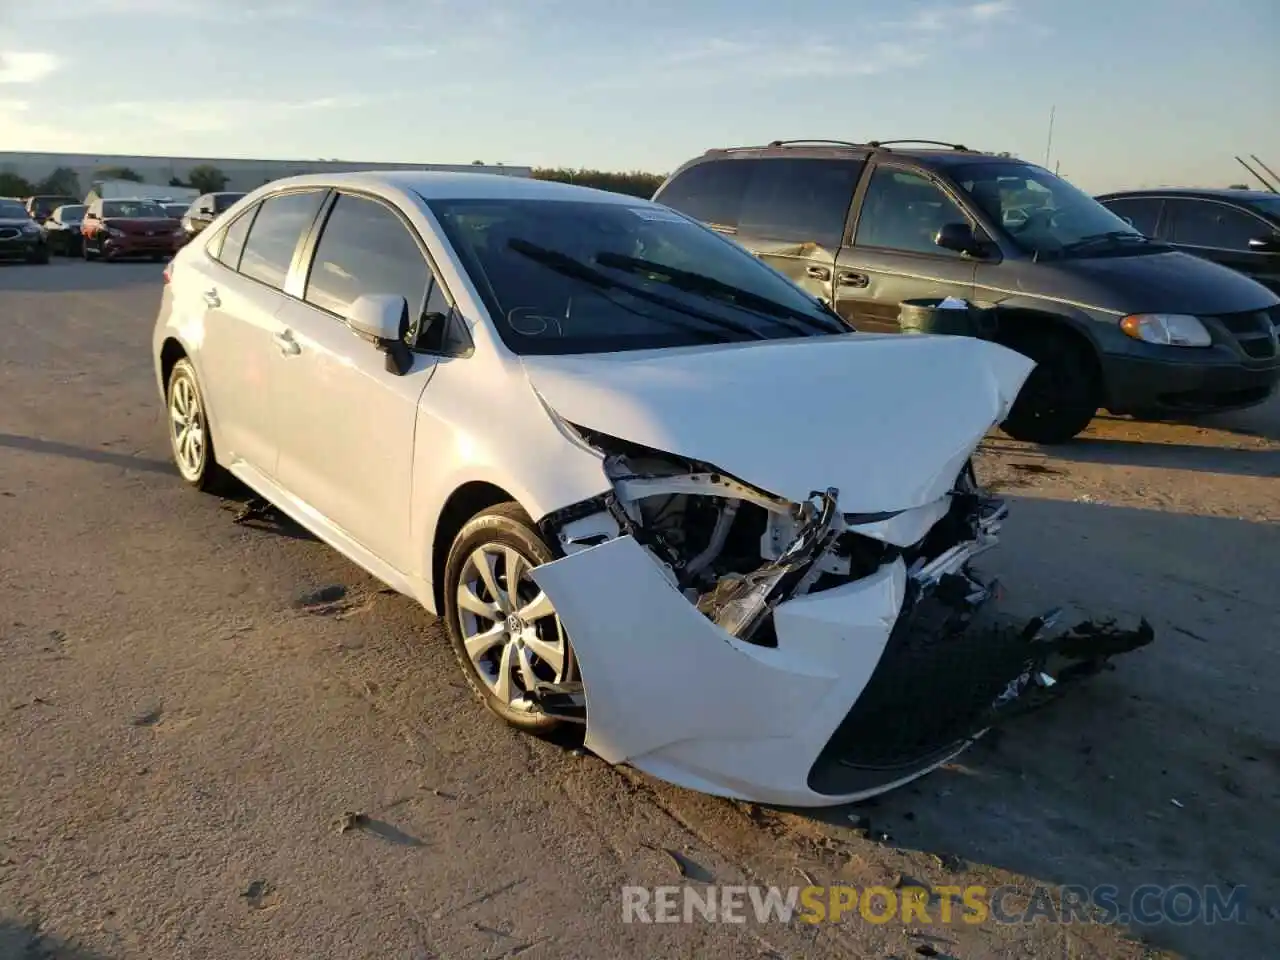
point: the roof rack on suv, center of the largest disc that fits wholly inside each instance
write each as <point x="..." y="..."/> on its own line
<point x="837" y="143"/>
<point x="934" y="143"/>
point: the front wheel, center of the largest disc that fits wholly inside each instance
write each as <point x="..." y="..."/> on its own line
<point x="189" y="434"/>
<point x="85" y="251"/>
<point x="1060" y="396"/>
<point x="503" y="628"/>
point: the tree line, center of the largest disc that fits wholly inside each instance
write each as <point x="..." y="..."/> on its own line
<point x="209" y="179"/>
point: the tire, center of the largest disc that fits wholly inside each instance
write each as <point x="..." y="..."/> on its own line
<point x="490" y="534"/>
<point x="41" y="257"/>
<point x="190" y="439"/>
<point x="85" y="251"/>
<point x="1060" y="396"/>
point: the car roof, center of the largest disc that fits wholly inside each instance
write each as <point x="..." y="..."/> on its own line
<point x="443" y="185"/>
<point x="1225" y="193"/>
<point x="925" y="155"/>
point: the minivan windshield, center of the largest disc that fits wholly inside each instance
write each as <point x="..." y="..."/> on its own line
<point x="568" y="276"/>
<point x="12" y="210"/>
<point x="1045" y="215"/>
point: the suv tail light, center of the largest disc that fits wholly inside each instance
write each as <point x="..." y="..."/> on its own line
<point x="168" y="271"/>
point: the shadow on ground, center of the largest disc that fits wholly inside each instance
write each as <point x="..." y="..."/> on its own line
<point x="57" y="448"/>
<point x="23" y="942"/>
<point x="1159" y="772"/>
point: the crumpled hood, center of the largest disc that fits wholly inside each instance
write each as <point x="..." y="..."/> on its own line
<point x="889" y="420"/>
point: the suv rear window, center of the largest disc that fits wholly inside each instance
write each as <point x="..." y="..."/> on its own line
<point x="711" y="191"/>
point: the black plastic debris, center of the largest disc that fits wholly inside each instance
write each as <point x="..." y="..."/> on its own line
<point x="255" y="508"/>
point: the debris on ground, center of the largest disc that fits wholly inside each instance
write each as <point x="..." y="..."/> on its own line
<point x="148" y="719"/>
<point x="951" y="863"/>
<point x="256" y="894"/>
<point x="256" y="508"/>
<point x="350" y="820"/>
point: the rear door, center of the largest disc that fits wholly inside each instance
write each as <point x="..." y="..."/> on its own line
<point x="793" y="216"/>
<point x="346" y="422"/>
<point x="240" y="290"/>
<point x="1221" y="232"/>
<point x="893" y="256"/>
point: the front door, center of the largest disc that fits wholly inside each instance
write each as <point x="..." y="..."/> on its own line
<point x="346" y="423"/>
<point x="1220" y="232"/>
<point x="893" y="256"/>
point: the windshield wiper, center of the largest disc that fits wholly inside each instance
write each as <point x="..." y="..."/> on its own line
<point x="567" y="266"/>
<point x="1110" y="236"/>
<point x="700" y="283"/>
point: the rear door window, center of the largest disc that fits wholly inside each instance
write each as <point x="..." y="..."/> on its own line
<point x="1206" y="223"/>
<point x="1142" y="212"/>
<point x="711" y="191"/>
<point x="802" y="199"/>
<point x="281" y="222"/>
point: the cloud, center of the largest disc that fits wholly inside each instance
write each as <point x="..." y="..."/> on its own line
<point x="26" y="66"/>
<point x="990" y="10"/>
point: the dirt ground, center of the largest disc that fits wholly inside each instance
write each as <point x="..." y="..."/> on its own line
<point x="189" y="705"/>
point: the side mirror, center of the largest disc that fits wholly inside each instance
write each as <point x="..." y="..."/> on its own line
<point x="383" y="319"/>
<point x="958" y="237"/>
<point x="1269" y="244"/>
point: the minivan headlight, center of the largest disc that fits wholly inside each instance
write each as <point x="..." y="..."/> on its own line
<point x="1170" y="329"/>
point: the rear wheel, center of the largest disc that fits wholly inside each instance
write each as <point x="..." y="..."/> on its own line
<point x="189" y="435"/>
<point x="503" y="628"/>
<point x="1060" y="396"/>
<point x="40" y="256"/>
<point x="85" y="251"/>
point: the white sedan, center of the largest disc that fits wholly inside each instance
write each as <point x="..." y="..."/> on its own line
<point x="649" y="484"/>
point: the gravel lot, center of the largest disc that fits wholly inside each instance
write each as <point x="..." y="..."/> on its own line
<point x="187" y="705"/>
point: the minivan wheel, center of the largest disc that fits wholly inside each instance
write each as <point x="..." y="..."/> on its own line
<point x="503" y="628"/>
<point x="189" y="434"/>
<point x="1060" y="396"/>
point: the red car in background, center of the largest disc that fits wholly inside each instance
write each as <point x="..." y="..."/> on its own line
<point x="113" y="229"/>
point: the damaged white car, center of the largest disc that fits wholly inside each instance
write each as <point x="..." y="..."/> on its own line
<point x="650" y="485"/>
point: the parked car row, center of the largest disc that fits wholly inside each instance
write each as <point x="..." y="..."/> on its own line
<point x="20" y="237"/>
<point x="108" y="228"/>
<point x="1113" y="317"/>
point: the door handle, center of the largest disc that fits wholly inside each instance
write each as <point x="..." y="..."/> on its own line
<point x="818" y="273"/>
<point x="212" y="299"/>
<point x="850" y="279"/>
<point x="288" y="346"/>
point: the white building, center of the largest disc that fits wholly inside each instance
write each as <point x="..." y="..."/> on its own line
<point x="242" y="175"/>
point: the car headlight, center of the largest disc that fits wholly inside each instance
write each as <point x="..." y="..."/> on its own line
<point x="1170" y="329"/>
<point x="113" y="232"/>
<point x="31" y="229"/>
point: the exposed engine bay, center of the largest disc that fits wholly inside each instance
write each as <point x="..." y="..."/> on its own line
<point x="736" y="552"/>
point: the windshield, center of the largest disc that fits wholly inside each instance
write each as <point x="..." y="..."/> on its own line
<point x="134" y="209"/>
<point x="1043" y="214"/>
<point x="224" y="201"/>
<point x="70" y="214"/>
<point x="12" y="210"/>
<point x="588" y="277"/>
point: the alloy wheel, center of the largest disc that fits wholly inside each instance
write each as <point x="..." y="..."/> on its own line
<point x="187" y="428"/>
<point x="510" y="630"/>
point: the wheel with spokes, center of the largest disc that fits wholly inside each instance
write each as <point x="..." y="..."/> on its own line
<point x="504" y="629"/>
<point x="189" y="435"/>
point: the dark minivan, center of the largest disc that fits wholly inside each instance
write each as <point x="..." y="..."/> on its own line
<point x="203" y="210"/>
<point x="1239" y="229"/>
<point x="1112" y="318"/>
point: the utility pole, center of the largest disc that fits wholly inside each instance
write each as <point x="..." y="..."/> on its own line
<point x="1048" y="147"/>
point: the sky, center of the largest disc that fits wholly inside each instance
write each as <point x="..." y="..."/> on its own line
<point x="1144" y="92"/>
